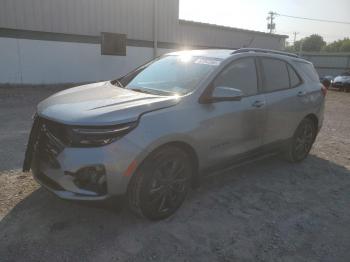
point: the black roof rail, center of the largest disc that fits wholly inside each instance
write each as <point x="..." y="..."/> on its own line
<point x="260" y="50"/>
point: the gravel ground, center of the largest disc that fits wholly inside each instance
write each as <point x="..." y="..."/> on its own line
<point x="266" y="211"/>
<point x="17" y="106"/>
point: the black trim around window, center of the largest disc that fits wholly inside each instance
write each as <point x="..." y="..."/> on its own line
<point x="289" y="66"/>
<point x="259" y="74"/>
<point x="210" y="88"/>
<point x="261" y="69"/>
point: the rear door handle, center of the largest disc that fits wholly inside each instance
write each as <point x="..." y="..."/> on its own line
<point x="258" y="104"/>
<point x="301" y="93"/>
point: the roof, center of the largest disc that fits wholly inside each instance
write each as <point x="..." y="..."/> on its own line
<point x="232" y="28"/>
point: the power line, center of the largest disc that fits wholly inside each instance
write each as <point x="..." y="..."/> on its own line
<point x="315" y="19"/>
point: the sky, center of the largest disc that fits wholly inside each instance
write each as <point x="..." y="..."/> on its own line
<point x="252" y="14"/>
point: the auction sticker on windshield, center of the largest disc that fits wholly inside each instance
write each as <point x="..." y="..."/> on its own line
<point x="207" y="61"/>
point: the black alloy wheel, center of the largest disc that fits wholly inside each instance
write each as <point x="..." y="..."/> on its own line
<point x="161" y="184"/>
<point x="302" y="141"/>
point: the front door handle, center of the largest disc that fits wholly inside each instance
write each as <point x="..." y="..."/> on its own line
<point x="258" y="104"/>
<point x="301" y="93"/>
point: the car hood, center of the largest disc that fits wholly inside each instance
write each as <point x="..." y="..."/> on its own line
<point x="100" y="104"/>
<point x="342" y="79"/>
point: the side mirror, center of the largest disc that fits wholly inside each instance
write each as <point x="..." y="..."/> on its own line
<point x="223" y="93"/>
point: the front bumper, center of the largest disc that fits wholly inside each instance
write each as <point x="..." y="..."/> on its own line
<point x="56" y="188"/>
<point x="57" y="168"/>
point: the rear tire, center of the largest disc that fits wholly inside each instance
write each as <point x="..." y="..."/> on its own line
<point x="301" y="143"/>
<point x="161" y="183"/>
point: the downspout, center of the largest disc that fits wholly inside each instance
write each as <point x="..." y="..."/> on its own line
<point x="155" y="28"/>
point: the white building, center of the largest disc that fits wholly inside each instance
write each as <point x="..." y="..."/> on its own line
<point x="65" y="41"/>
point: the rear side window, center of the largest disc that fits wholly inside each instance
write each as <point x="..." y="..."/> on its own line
<point x="241" y="74"/>
<point x="275" y="75"/>
<point x="309" y="71"/>
<point x="293" y="76"/>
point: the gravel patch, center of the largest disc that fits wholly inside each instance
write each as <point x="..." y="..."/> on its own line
<point x="269" y="210"/>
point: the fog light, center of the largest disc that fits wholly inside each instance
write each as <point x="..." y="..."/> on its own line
<point x="92" y="178"/>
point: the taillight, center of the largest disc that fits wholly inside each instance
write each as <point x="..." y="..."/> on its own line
<point x="324" y="90"/>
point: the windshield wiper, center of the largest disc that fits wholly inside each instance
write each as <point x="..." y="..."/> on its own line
<point x="141" y="90"/>
<point x="117" y="83"/>
<point x="152" y="91"/>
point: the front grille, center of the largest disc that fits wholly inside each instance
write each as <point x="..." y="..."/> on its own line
<point x="50" y="143"/>
<point x="31" y="146"/>
<point x="57" y="130"/>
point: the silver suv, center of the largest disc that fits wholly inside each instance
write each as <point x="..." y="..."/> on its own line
<point x="150" y="134"/>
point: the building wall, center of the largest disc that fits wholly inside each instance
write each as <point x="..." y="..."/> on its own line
<point x="132" y="17"/>
<point x="83" y="17"/>
<point x="329" y="64"/>
<point x="45" y="62"/>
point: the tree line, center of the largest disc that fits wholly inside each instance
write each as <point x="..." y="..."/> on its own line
<point x="316" y="43"/>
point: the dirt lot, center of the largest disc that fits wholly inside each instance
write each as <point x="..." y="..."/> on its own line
<point x="267" y="211"/>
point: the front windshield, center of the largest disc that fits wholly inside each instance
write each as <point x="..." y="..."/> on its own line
<point x="170" y="75"/>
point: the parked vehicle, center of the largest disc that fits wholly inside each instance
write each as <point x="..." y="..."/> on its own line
<point x="326" y="80"/>
<point x="150" y="134"/>
<point x="342" y="82"/>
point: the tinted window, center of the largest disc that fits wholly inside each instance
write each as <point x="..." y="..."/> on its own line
<point x="309" y="71"/>
<point x="275" y="75"/>
<point x="240" y="74"/>
<point x="294" y="78"/>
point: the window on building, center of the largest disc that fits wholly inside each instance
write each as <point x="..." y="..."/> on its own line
<point x="113" y="44"/>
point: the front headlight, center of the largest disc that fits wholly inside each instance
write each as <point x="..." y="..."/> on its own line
<point x="97" y="136"/>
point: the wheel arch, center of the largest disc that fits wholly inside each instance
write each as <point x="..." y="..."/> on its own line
<point x="185" y="147"/>
<point x="189" y="150"/>
<point x="314" y="118"/>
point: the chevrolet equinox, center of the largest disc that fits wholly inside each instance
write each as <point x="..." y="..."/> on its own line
<point x="150" y="134"/>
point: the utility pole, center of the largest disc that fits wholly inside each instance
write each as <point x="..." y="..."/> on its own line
<point x="271" y="25"/>
<point x="301" y="47"/>
<point x="295" y="37"/>
<point x="155" y="28"/>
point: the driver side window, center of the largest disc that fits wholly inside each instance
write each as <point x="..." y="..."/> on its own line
<point x="241" y="74"/>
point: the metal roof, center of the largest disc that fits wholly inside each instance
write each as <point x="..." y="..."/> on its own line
<point x="231" y="28"/>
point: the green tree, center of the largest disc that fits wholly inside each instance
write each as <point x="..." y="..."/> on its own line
<point x="333" y="47"/>
<point x="338" y="46"/>
<point x="297" y="44"/>
<point x="313" y="43"/>
<point x="345" y="46"/>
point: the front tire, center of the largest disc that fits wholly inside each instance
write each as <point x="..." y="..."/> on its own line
<point x="161" y="183"/>
<point x="302" y="141"/>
